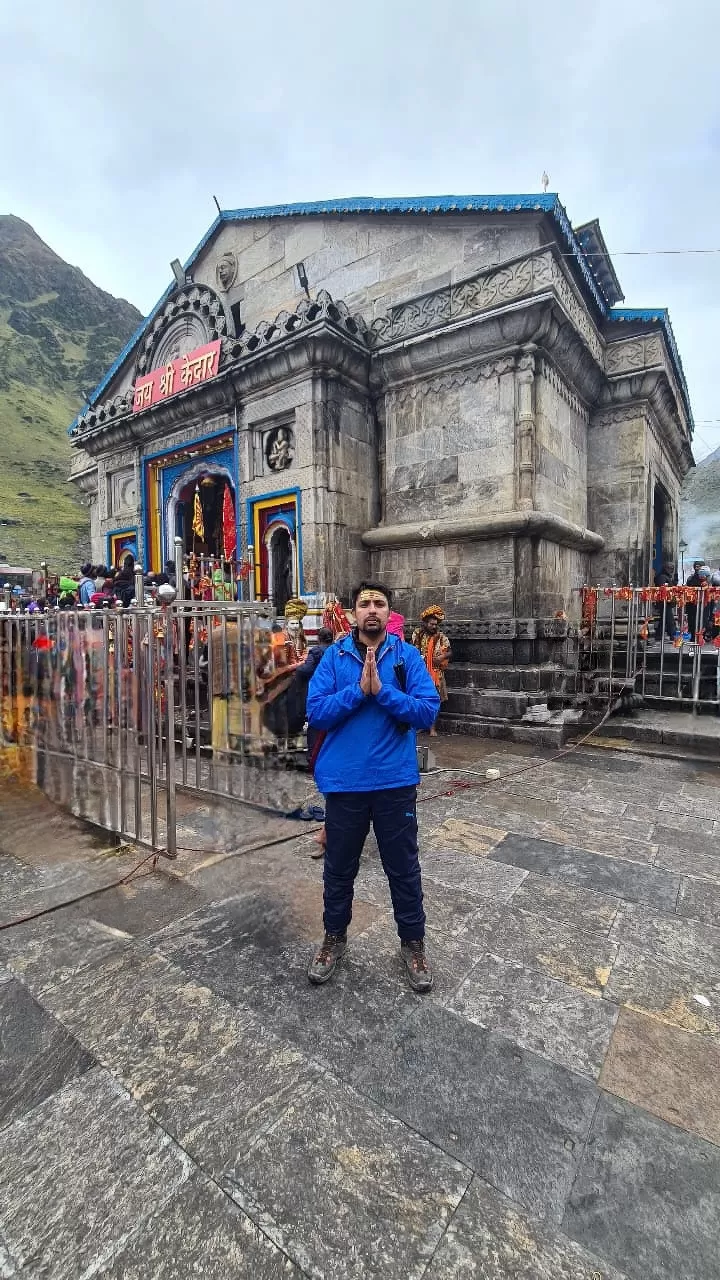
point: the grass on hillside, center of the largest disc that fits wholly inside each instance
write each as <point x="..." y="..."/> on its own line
<point x="52" y="524"/>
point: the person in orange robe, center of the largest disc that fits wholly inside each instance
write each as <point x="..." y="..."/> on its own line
<point x="435" y="649"/>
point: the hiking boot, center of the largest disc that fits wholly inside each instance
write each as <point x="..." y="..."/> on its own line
<point x="327" y="958"/>
<point x="420" y="975"/>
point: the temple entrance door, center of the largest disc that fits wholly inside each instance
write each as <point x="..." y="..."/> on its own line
<point x="661" y="513"/>
<point x="210" y="488"/>
<point x="180" y="522"/>
<point x="281" y="576"/>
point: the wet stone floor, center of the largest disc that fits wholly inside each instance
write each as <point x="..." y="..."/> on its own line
<point x="177" y="1101"/>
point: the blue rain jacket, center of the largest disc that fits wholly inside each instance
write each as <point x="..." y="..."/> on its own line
<point x="370" y="743"/>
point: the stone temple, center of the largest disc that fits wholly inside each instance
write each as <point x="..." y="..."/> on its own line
<point x="441" y="392"/>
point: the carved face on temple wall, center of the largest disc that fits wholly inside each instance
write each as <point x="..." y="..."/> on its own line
<point x="226" y="271"/>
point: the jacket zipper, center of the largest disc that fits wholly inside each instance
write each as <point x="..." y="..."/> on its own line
<point x="352" y="653"/>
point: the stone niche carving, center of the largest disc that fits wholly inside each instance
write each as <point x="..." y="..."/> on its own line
<point x="122" y="490"/>
<point x="226" y="271"/>
<point x="279" y="448"/>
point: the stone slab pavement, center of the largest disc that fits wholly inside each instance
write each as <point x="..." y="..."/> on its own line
<point x="176" y="1100"/>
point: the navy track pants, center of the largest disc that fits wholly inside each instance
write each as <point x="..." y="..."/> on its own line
<point x="348" y="815"/>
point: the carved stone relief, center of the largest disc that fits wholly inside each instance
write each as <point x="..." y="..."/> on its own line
<point x="525" y="430"/>
<point x="226" y="271"/>
<point x="123" y="491"/>
<point x="279" y="448"/>
<point x="191" y="317"/>
<point x="639" y="353"/>
<point x="183" y="335"/>
<point x="452" y="378"/>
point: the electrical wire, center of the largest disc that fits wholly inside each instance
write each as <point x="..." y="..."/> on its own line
<point x="264" y="844"/>
<point x="512" y="773"/>
<point x="58" y="906"/>
<point x="628" y="253"/>
<point x="133" y="874"/>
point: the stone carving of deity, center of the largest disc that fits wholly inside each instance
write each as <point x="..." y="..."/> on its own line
<point x="279" y="448"/>
<point x="226" y="271"/>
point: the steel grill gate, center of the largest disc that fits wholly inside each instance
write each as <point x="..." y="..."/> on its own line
<point x="663" y="643"/>
<point x="112" y="712"/>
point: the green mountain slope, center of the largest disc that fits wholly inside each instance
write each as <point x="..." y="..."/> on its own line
<point x="58" y="335"/>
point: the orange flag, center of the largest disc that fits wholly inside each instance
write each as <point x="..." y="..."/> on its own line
<point x="198" y="526"/>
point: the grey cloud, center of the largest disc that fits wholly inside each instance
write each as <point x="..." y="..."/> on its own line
<point x="127" y="118"/>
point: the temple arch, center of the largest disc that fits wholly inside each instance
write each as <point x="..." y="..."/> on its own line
<point x="176" y="502"/>
<point x="281" y="561"/>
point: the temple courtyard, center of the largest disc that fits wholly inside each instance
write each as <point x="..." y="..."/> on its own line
<point x="177" y="1101"/>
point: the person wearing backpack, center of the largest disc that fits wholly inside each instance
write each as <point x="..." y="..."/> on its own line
<point x="303" y="676"/>
<point x="369" y="695"/>
<point x="86" y="585"/>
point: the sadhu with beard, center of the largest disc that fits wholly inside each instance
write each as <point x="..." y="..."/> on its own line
<point x="369" y="694"/>
<point x="434" y="648"/>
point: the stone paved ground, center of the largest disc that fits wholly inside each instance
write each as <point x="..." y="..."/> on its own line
<point x="175" y="1100"/>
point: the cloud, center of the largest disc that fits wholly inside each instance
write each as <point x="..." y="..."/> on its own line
<point x="127" y="119"/>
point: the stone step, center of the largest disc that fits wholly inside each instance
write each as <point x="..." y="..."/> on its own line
<point x="545" y="735"/>
<point x="530" y="679"/>
<point x="676" y="731"/>
<point x="498" y="704"/>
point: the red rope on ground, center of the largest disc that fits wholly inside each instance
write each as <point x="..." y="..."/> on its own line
<point x="460" y="784"/>
<point x="58" y="906"/>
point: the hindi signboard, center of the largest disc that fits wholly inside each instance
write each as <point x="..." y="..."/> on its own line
<point x="179" y="375"/>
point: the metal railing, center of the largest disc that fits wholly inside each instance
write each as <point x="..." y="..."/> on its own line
<point x="661" y="642"/>
<point x="116" y="710"/>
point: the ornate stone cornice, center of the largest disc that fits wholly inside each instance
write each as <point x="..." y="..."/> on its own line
<point x="653" y="388"/>
<point x="527" y="524"/>
<point x="321" y="334"/>
<point x="531" y="275"/>
<point x="84" y="473"/>
<point x="452" y="378"/>
<point x="645" y="356"/>
<point x="550" y="374"/>
<point x="624" y="413"/>
<point x="642" y="352"/>
<point x="478" y="341"/>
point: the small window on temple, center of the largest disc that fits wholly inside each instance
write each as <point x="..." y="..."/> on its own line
<point x="237" y="319"/>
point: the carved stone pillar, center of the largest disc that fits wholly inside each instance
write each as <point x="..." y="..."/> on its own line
<point x="525" y="431"/>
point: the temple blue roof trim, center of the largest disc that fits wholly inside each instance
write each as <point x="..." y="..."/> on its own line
<point x="547" y="202"/>
<point x="658" y="315"/>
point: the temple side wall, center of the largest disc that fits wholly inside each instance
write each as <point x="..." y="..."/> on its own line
<point x="371" y="262"/>
<point x="662" y="472"/>
<point x="112" y="482"/>
<point x="472" y="579"/>
<point x="618" y="495"/>
<point x="561" y="427"/>
<point x="344" y="500"/>
<point x="450" y="446"/>
<point x="627" y="459"/>
<point x="549" y="577"/>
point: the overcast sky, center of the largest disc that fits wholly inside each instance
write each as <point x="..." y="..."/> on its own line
<point x="121" y="122"/>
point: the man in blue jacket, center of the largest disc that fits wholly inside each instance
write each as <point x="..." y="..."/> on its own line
<point x="370" y="692"/>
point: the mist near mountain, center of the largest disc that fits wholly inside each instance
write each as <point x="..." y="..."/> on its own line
<point x="700" y="511"/>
